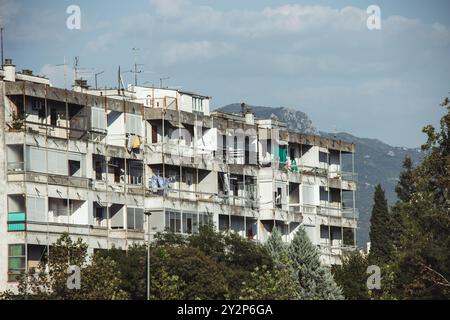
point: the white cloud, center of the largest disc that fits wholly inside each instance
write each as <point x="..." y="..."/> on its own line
<point x="8" y="10"/>
<point x="170" y="8"/>
<point x="311" y="56"/>
<point x="57" y="75"/>
<point x="173" y="52"/>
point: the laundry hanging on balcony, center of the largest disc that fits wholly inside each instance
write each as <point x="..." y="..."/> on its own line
<point x="159" y="183"/>
<point x="133" y="142"/>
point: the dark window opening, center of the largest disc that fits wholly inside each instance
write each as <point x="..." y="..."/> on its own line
<point x="53" y="117"/>
<point x="74" y="167"/>
<point x="247" y="151"/>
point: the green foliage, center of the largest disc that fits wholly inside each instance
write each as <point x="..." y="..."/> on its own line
<point x="406" y="185"/>
<point x="422" y="262"/>
<point x="276" y="247"/>
<point x="315" y="280"/>
<point x="380" y="229"/>
<point x="210" y="242"/>
<point x="99" y="279"/>
<point x="265" y="284"/>
<point x="198" y="276"/>
<point x="351" y="276"/>
<point x="131" y="265"/>
<point x="18" y="120"/>
<point x="166" y="286"/>
<point x="237" y="255"/>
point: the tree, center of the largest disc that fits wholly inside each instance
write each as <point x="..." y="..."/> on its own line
<point x="98" y="280"/>
<point x="406" y="185"/>
<point x="194" y="274"/>
<point x="238" y="256"/>
<point x="422" y="264"/>
<point x="276" y="247"/>
<point x="405" y="189"/>
<point x="351" y="276"/>
<point x="131" y="266"/>
<point x="264" y="284"/>
<point x="380" y="229"/>
<point x="315" y="280"/>
<point x="166" y="286"/>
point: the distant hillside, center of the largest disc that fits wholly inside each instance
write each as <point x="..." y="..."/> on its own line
<point x="296" y="120"/>
<point x="375" y="161"/>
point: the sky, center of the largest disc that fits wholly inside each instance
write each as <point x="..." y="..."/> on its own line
<point x="318" y="57"/>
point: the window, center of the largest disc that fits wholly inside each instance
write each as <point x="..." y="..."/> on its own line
<point x="190" y="224"/>
<point x="323" y="157"/>
<point x="134" y="124"/>
<point x="36" y="209"/>
<point x="204" y="219"/>
<point x="53" y="116"/>
<point x="292" y="154"/>
<point x="235" y="147"/>
<point x="39" y="106"/>
<point x="154" y="134"/>
<point x="98" y="119"/>
<point x="278" y="196"/>
<point x="224" y="150"/>
<point x="308" y="194"/>
<point x="135" y="169"/>
<point x="247" y="150"/>
<point x="74" y="168"/>
<point x="16" y="221"/>
<point x="100" y="168"/>
<point x="55" y="161"/>
<point x="35" y="159"/>
<point x="135" y="218"/>
<point x="197" y="104"/>
<point x="324" y="232"/>
<point x="16" y="261"/>
<point x="173" y="221"/>
<point x="99" y="215"/>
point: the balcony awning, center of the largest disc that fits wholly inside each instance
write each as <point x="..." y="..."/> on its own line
<point x="175" y="124"/>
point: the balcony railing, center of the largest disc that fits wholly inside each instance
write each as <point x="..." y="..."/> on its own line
<point x="350" y="213"/>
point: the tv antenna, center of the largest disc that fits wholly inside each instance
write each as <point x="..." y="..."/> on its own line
<point x="1" y="41"/>
<point x="77" y="70"/>
<point x="161" y="81"/>
<point x="96" y="75"/>
<point x="65" y="71"/>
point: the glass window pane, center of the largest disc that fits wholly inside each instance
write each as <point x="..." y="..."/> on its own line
<point x="167" y="226"/>
<point x="16" y="263"/>
<point x="130" y="218"/>
<point x="16" y="250"/>
<point x="139" y="219"/>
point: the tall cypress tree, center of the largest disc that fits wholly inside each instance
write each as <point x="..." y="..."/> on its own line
<point x="380" y="229"/>
<point x="406" y="185"/>
<point x="405" y="189"/>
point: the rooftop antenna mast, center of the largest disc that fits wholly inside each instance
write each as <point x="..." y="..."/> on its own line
<point x="135" y="50"/>
<point x="1" y="36"/>
<point x="120" y="81"/>
<point x="97" y="74"/>
<point x="75" y="68"/>
<point x="161" y="81"/>
<point x="65" y="72"/>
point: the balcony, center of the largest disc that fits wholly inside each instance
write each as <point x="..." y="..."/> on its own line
<point x="350" y="213"/>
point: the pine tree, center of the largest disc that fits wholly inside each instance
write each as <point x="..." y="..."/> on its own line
<point x="380" y="229"/>
<point x="315" y="280"/>
<point x="276" y="247"/>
